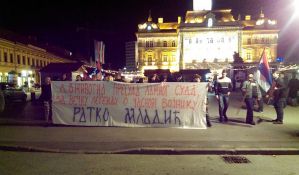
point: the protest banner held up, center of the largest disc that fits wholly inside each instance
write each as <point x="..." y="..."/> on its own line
<point x="100" y="103"/>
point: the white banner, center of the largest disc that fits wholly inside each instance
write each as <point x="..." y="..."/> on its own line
<point x="103" y="103"/>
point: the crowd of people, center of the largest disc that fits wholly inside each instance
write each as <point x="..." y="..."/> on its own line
<point x="222" y="87"/>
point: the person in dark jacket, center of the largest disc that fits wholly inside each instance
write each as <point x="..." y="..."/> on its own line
<point x="2" y="101"/>
<point x="223" y="88"/>
<point x="251" y="90"/>
<point x="154" y="79"/>
<point x="293" y="86"/>
<point x="64" y="77"/>
<point x="180" y="78"/>
<point x="278" y="92"/>
<point x="46" y="97"/>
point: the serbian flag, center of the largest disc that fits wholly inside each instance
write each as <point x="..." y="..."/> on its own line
<point x="99" y="53"/>
<point x="263" y="75"/>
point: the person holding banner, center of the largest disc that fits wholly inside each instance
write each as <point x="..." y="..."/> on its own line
<point x="78" y="78"/>
<point x="278" y="92"/>
<point x="223" y="88"/>
<point x="251" y="91"/>
<point x="46" y="97"/>
<point x="197" y="78"/>
<point x="154" y="79"/>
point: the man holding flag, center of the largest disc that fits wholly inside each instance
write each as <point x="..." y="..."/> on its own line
<point x="276" y="89"/>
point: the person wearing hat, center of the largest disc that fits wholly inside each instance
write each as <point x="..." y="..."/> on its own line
<point x="251" y="90"/>
<point x="278" y="92"/>
<point x="223" y="88"/>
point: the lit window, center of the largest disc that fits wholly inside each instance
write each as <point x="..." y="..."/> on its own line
<point x="173" y="44"/>
<point x="249" y="56"/>
<point x="150" y="58"/>
<point x="164" y="58"/>
<point x="151" y="44"/>
<point x="260" y="22"/>
<point x="210" y="22"/>
<point x="24" y="60"/>
<point x="164" y="43"/>
<point x="248" y="41"/>
<point x="18" y="59"/>
<point x="173" y="58"/>
<point x="210" y="40"/>
<point x="149" y="28"/>
<point x="256" y="41"/>
<point x="5" y="57"/>
<point x="11" y="58"/>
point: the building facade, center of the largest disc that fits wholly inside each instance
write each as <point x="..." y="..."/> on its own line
<point x="131" y="55"/>
<point x="206" y="37"/>
<point x="24" y="61"/>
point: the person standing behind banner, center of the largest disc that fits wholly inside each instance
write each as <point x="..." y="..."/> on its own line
<point x="278" y="92"/>
<point x="197" y="78"/>
<point x="78" y="78"/>
<point x="46" y="97"/>
<point x="180" y="78"/>
<point x="223" y="88"/>
<point x="154" y="79"/>
<point x="64" y="77"/>
<point x="251" y="90"/>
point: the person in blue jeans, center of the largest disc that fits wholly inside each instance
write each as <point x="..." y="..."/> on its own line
<point x="223" y="88"/>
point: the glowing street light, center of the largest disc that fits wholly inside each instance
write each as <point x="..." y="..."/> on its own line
<point x="202" y="5"/>
<point x="296" y="5"/>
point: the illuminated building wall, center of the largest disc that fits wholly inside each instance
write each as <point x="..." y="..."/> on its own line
<point x="25" y="59"/>
<point x="206" y="36"/>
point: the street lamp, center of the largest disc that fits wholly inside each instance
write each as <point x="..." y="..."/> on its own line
<point x="296" y="8"/>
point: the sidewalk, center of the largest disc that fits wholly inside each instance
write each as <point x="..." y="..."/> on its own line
<point x="233" y="137"/>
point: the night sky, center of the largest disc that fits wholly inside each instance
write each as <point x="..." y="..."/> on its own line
<point x="73" y="25"/>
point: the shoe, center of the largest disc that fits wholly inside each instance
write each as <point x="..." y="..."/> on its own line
<point x="251" y="123"/>
<point x="221" y="120"/>
<point x="274" y="120"/>
<point x="278" y="122"/>
<point x="225" y="119"/>
<point x="209" y="124"/>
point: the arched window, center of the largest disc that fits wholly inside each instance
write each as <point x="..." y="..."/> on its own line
<point x="173" y="44"/>
<point x="165" y="58"/>
<point x="150" y="58"/>
<point x="164" y="43"/>
<point x="210" y="22"/>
